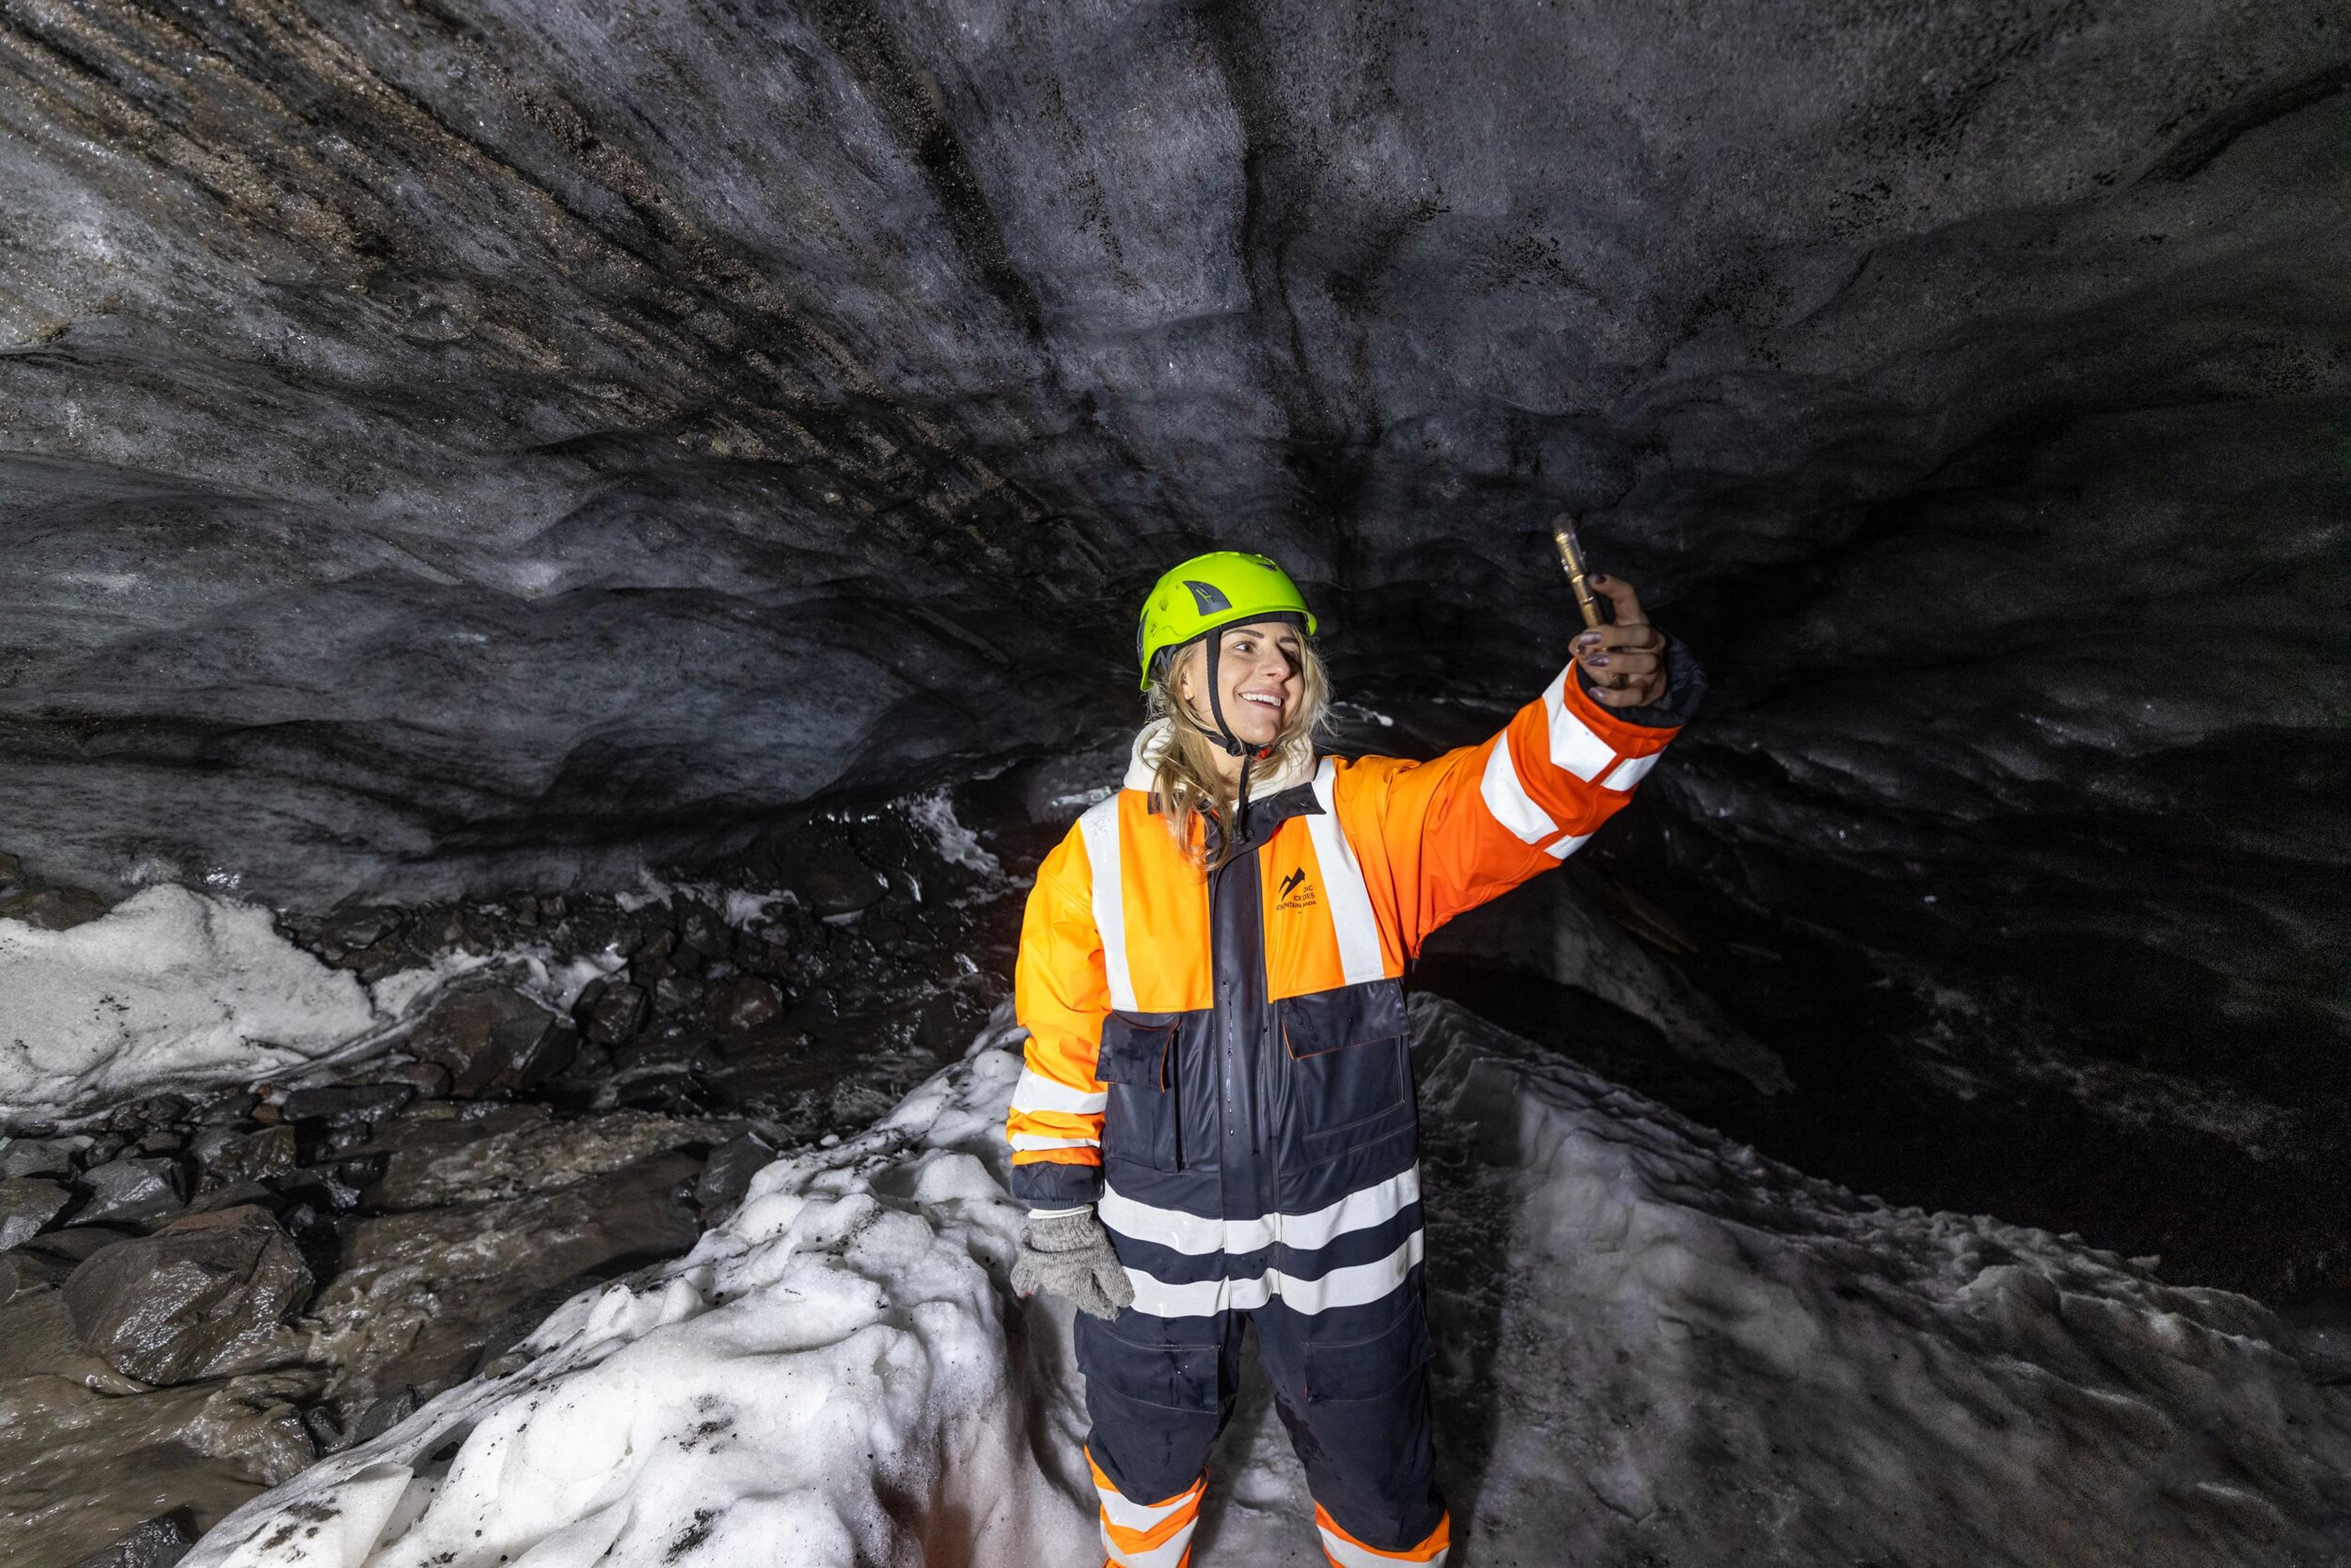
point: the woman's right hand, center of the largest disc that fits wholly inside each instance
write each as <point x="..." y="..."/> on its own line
<point x="1625" y="662"/>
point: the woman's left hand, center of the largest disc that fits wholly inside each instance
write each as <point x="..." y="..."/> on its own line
<point x="1625" y="661"/>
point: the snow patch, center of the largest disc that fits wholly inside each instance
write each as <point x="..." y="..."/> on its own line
<point x="170" y="987"/>
<point x="957" y="844"/>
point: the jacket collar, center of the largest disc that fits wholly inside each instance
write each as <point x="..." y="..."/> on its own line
<point x="1142" y="770"/>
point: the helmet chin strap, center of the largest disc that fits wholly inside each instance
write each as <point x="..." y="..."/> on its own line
<point x="1223" y="735"/>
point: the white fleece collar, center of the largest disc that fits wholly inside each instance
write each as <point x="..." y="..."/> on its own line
<point x="1142" y="771"/>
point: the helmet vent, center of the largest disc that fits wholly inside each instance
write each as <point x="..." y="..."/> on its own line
<point x="1208" y="597"/>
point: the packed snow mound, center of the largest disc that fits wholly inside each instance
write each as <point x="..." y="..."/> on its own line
<point x="1657" y="1346"/>
<point x="170" y="988"/>
<point x="828" y="1378"/>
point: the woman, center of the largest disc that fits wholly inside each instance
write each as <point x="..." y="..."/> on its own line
<point x="1215" y="1124"/>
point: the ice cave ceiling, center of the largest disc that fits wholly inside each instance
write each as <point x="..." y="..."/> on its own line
<point x="452" y="447"/>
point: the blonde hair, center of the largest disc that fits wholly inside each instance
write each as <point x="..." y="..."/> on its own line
<point x="1185" y="783"/>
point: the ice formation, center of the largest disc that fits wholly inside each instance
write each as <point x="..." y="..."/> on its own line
<point x="1658" y="1347"/>
<point x="172" y="988"/>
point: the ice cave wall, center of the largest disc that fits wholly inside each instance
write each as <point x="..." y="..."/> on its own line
<point x="449" y="446"/>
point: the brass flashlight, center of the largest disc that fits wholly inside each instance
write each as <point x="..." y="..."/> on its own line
<point x="1571" y="556"/>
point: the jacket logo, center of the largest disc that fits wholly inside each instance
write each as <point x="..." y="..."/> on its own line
<point x="1292" y="896"/>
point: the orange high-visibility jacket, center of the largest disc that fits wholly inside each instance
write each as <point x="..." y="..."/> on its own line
<point x="1290" y="1090"/>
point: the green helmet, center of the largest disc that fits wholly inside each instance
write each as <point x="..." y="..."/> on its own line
<point x="1223" y="588"/>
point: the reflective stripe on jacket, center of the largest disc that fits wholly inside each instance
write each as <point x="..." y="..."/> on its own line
<point x="1232" y="1048"/>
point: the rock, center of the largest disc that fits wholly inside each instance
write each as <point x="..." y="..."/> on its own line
<point x="28" y="1203"/>
<point x="22" y="1272"/>
<point x="133" y="1190"/>
<point x="728" y="1174"/>
<point x="817" y="861"/>
<point x="228" y="1108"/>
<point x="46" y="1259"/>
<point x="1062" y="785"/>
<point x="67" y="1249"/>
<point x="492" y="1038"/>
<point x="12" y="872"/>
<point x="172" y="1306"/>
<point x="509" y="1155"/>
<point x="383" y="1413"/>
<point x="53" y="908"/>
<point x="356" y="930"/>
<point x="237" y="1195"/>
<point x="158" y="1543"/>
<point x="256" y="1157"/>
<point x="616" y="1014"/>
<point x="431" y="1079"/>
<point x="326" y="1433"/>
<point x="419" y="1293"/>
<point x="748" y="1001"/>
<point x="346" y="1103"/>
<point x="702" y="928"/>
<point x="40" y="1156"/>
<point x="676" y="994"/>
<point x="152" y="1110"/>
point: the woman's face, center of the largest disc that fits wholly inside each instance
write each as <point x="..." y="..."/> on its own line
<point x="1258" y="677"/>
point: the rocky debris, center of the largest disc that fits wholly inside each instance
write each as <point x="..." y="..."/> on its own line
<point x="190" y="1300"/>
<point x="86" y="1455"/>
<point x="492" y="1039"/>
<point x="158" y="1542"/>
<point x="133" y="1190"/>
<point x="51" y="1258"/>
<point x="418" y="1293"/>
<point x="40" y="1156"/>
<point x="429" y="1079"/>
<point x="53" y="908"/>
<point x="613" y="1014"/>
<point x="345" y="1102"/>
<point x="747" y="1003"/>
<point x="233" y="1158"/>
<point x="28" y="1203"/>
<point x="452" y="1161"/>
<point x="820" y="864"/>
<point x="383" y="1413"/>
<point x="728" y="1174"/>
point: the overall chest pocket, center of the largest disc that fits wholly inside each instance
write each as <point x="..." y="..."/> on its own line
<point x="1350" y="1069"/>
<point x="1136" y="1066"/>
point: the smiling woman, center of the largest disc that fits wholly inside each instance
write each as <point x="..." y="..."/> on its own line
<point x="1216" y="1128"/>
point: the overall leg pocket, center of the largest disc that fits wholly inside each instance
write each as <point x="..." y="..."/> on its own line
<point x="1136" y="1066"/>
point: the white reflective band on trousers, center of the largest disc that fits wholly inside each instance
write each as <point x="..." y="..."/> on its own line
<point x="1352" y="918"/>
<point x="1198" y="1237"/>
<point x="1123" y="1517"/>
<point x="1100" y="828"/>
<point x="1347" y="1554"/>
<point x="1355" y="1286"/>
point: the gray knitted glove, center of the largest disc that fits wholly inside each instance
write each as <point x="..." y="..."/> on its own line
<point x="1069" y="1255"/>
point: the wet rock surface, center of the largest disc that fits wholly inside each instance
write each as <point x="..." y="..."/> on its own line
<point x="204" y="1291"/>
<point x="157" y="1543"/>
